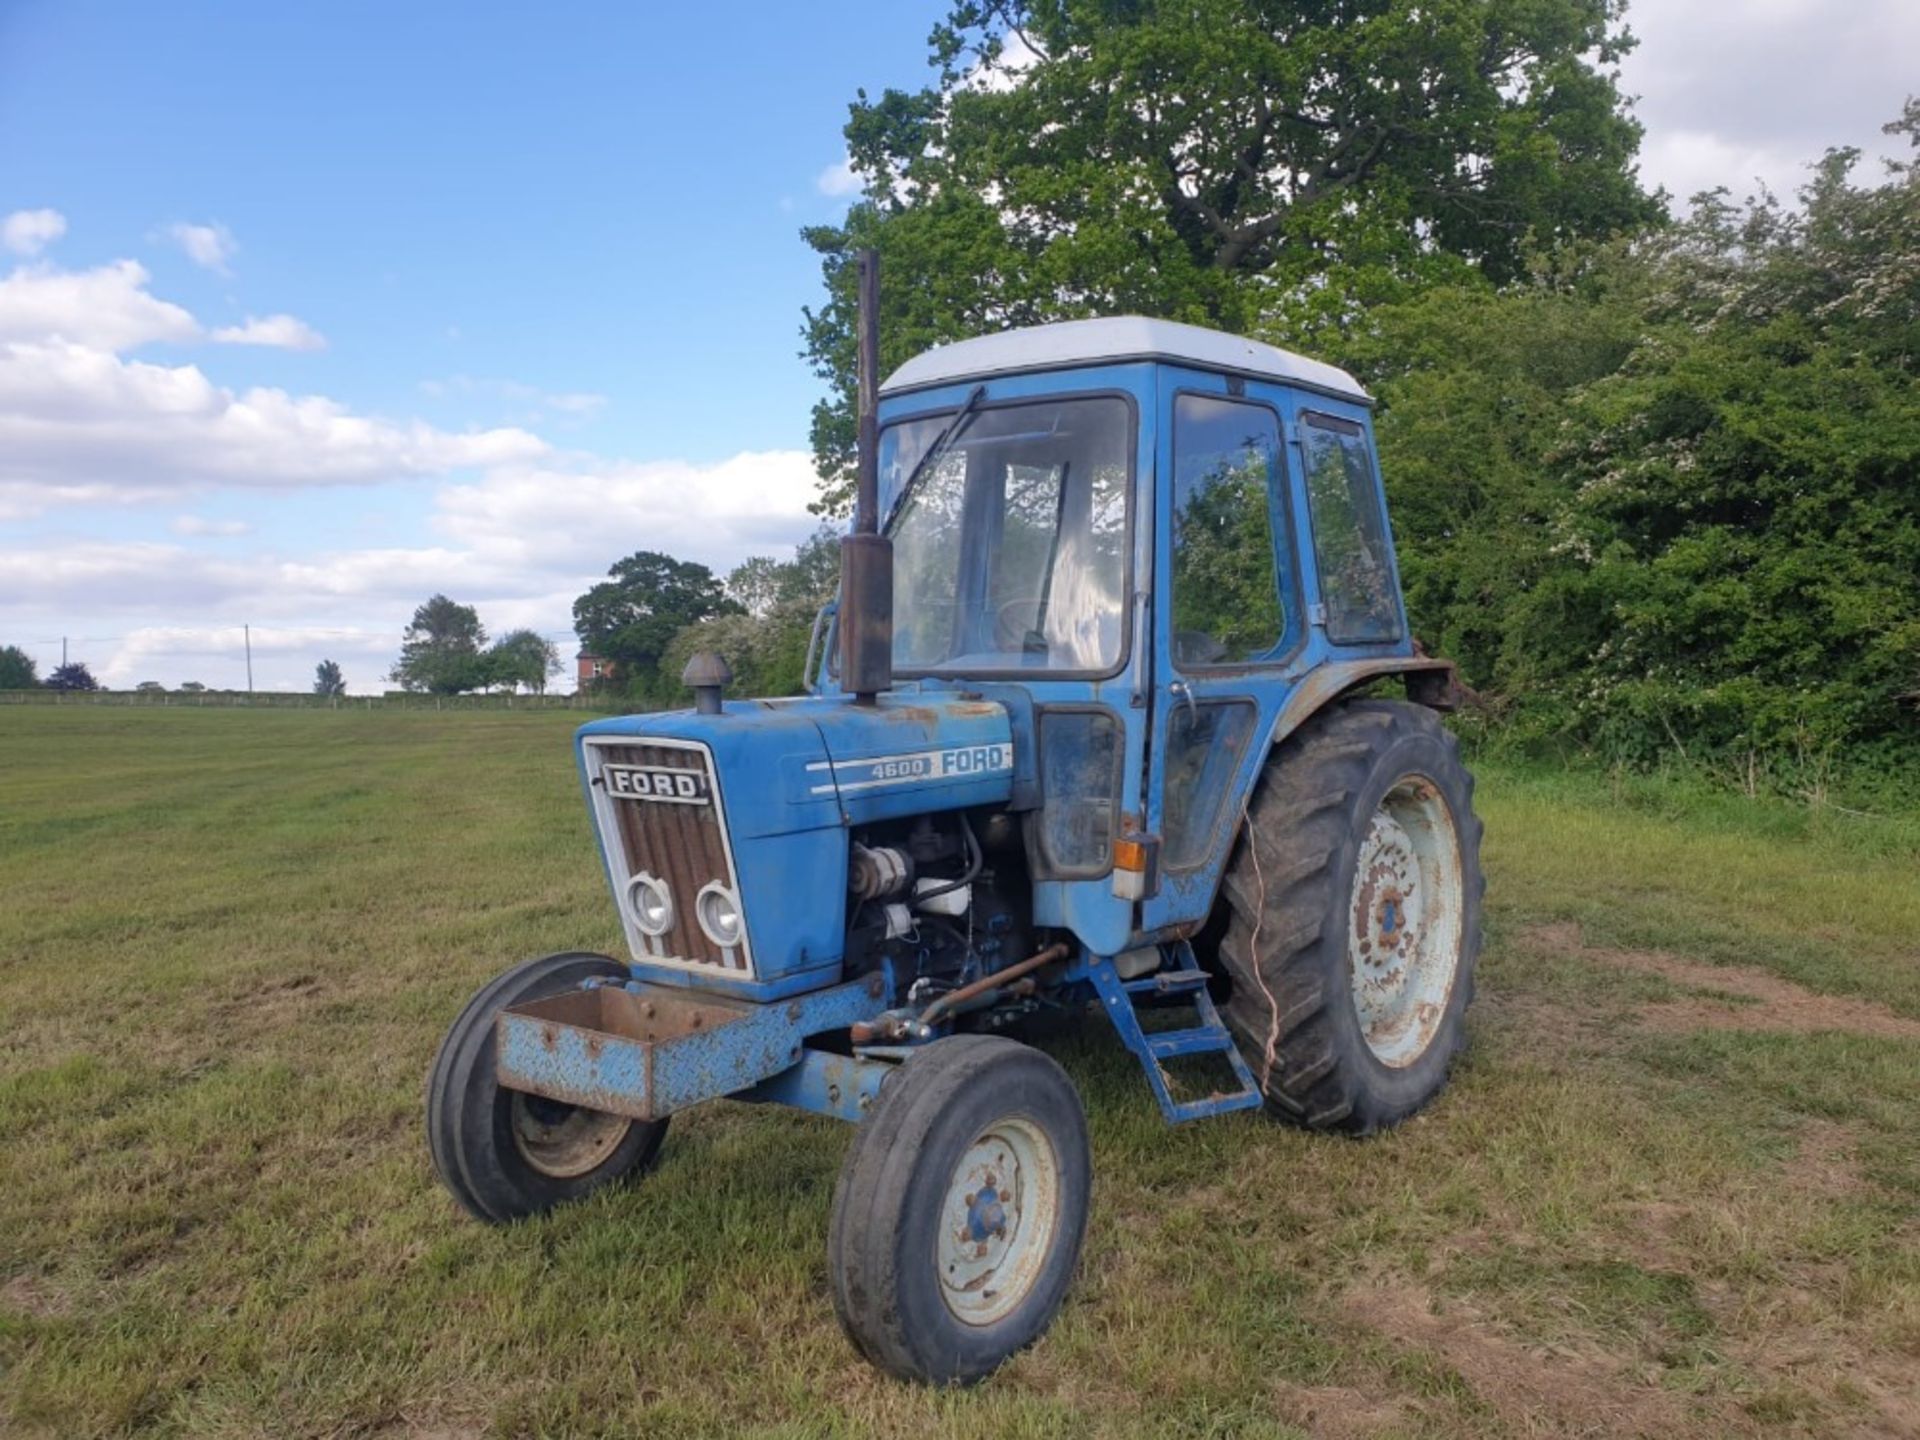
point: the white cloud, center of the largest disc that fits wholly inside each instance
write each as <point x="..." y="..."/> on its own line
<point x="519" y="544"/>
<point x="1015" y="59"/>
<point x="28" y="232"/>
<point x="201" y="525"/>
<point x="284" y="332"/>
<point x="208" y="246"/>
<point x="82" y="424"/>
<point x="549" y="517"/>
<point x="518" y="528"/>
<point x="1687" y="162"/>
<point x="106" y="308"/>
<point x="1730" y="98"/>
<point x="838" y="179"/>
<point x="284" y="656"/>
<point x="515" y="532"/>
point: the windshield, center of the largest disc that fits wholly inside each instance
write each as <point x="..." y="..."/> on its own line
<point x="1009" y="551"/>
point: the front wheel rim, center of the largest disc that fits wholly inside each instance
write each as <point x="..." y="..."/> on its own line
<point x="998" y="1221"/>
<point x="1406" y="921"/>
<point x="561" y="1141"/>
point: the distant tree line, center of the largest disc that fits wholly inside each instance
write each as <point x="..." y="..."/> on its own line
<point x="444" y="651"/>
<point x="653" y="612"/>
<point x="18" y="672"/>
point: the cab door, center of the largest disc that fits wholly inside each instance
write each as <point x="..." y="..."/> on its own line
<point x="1228" y="620"/>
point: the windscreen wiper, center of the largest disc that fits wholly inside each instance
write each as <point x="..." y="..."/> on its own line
<point x="936" y="450"/>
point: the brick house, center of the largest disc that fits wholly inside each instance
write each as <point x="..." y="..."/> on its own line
<point x="590" y="670"/>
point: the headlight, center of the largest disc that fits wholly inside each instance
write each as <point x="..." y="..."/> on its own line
<point x="651" y="903"/>
<point x="719" y="915"/>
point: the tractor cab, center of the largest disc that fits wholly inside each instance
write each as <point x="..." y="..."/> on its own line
<point x="1082" y="737"/>
<point x="1146" y="541"/>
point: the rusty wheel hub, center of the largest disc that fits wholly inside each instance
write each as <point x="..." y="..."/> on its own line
<point x="998" y="1221"/>
<point x="561" y="1141"/>
<point x="1404" y="930"/>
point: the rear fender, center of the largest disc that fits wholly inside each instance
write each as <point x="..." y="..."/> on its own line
<point x="1431" y="682"/>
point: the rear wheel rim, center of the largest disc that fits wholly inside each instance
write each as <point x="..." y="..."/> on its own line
<point x="998" y="1221"/>
<point x="1405" y="922"/>
<point x="561" y="1141"/>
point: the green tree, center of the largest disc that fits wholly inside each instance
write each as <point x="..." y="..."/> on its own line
<point x="17" y="670"/>
<point x="328" y="681"/>
<point x="1236" y="163"/>
<point x="192" y="687"/>
<point x="1661" y="492"/>
<point x="632" y="616"/>
<point x="440" y="651"/>
<point x="760" y="583"/>
<point x="754" y="584"/>
<point x="766" y="654"/>
<point x="812" y="576"/>
<point x="74" y="676"/>
<point x="523" y="658"/>
<point x="766" y="645"/>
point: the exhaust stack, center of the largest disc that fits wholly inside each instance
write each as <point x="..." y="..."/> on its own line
<point x="866" y="556"/>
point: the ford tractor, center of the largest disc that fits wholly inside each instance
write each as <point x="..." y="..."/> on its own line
<point x="1094" y="724"/>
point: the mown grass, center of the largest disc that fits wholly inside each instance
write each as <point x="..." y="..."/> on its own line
<point x="229" y="943"/>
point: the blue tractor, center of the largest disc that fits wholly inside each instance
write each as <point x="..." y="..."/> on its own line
<point x="1093" y="726"/>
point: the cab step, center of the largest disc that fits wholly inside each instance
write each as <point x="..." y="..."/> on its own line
<point x="1168" y="982"/>
<point x="1185" y="979"/>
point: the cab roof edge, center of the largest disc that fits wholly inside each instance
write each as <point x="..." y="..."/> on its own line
<point x="1120" y="339"/>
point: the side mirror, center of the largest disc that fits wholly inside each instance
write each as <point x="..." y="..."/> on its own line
<point x="822" y="660"/>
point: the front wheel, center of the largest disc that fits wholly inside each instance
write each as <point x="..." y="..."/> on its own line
<point x="1353" y="918"/>
<point x="505" y="1154"/>
<point x="960" y="1210"/>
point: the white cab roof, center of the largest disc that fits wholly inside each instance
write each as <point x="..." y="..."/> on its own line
<point x="1124" y="337"/>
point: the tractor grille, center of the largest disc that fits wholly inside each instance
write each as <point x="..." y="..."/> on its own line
<point x="683" y="845"/>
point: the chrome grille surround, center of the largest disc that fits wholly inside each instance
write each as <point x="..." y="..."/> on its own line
<point x="683" y="846"/>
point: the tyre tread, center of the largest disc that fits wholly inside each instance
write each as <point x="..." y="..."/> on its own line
<point x="869" y="1198"/>
<point x="1285" y="887"/>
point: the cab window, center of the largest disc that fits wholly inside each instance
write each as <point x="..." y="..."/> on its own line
<point x="1349" y="533"/>
<point x="1229" y="604"/>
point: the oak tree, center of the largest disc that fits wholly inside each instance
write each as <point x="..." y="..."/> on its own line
<point x="1245" y="164"/>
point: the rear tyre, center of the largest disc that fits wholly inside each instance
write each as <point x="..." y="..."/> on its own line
<point x="960" y="1210"/>
<point x="1353" y="917"/>
<point x="505" y="1154"/>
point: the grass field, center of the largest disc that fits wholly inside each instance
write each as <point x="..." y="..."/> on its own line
<point x="1675" y="1189"/>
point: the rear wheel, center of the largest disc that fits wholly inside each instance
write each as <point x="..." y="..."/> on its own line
<point x="1353" y="917"/>
<point x="960" y="1210"/>
<point x="503" y="1153"/>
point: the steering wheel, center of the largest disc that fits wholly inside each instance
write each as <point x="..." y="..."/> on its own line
<point x="1011" y="630"/>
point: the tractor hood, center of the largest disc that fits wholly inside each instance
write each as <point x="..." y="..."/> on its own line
<point x="725" y="835"/>
<point x="801" y="764"/>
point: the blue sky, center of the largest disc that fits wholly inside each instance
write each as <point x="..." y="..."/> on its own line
<point x="309" y="311"/>
<point x="592" y="199"/>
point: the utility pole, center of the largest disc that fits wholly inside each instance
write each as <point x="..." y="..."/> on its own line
<point x="247" y="631"/>
<point x="63" y="652"/>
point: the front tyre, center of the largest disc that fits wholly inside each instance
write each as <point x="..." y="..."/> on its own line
<point x="1353" y="919"/>
<point x="959" y="1213"/>
<point x="505" y="1154"/>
